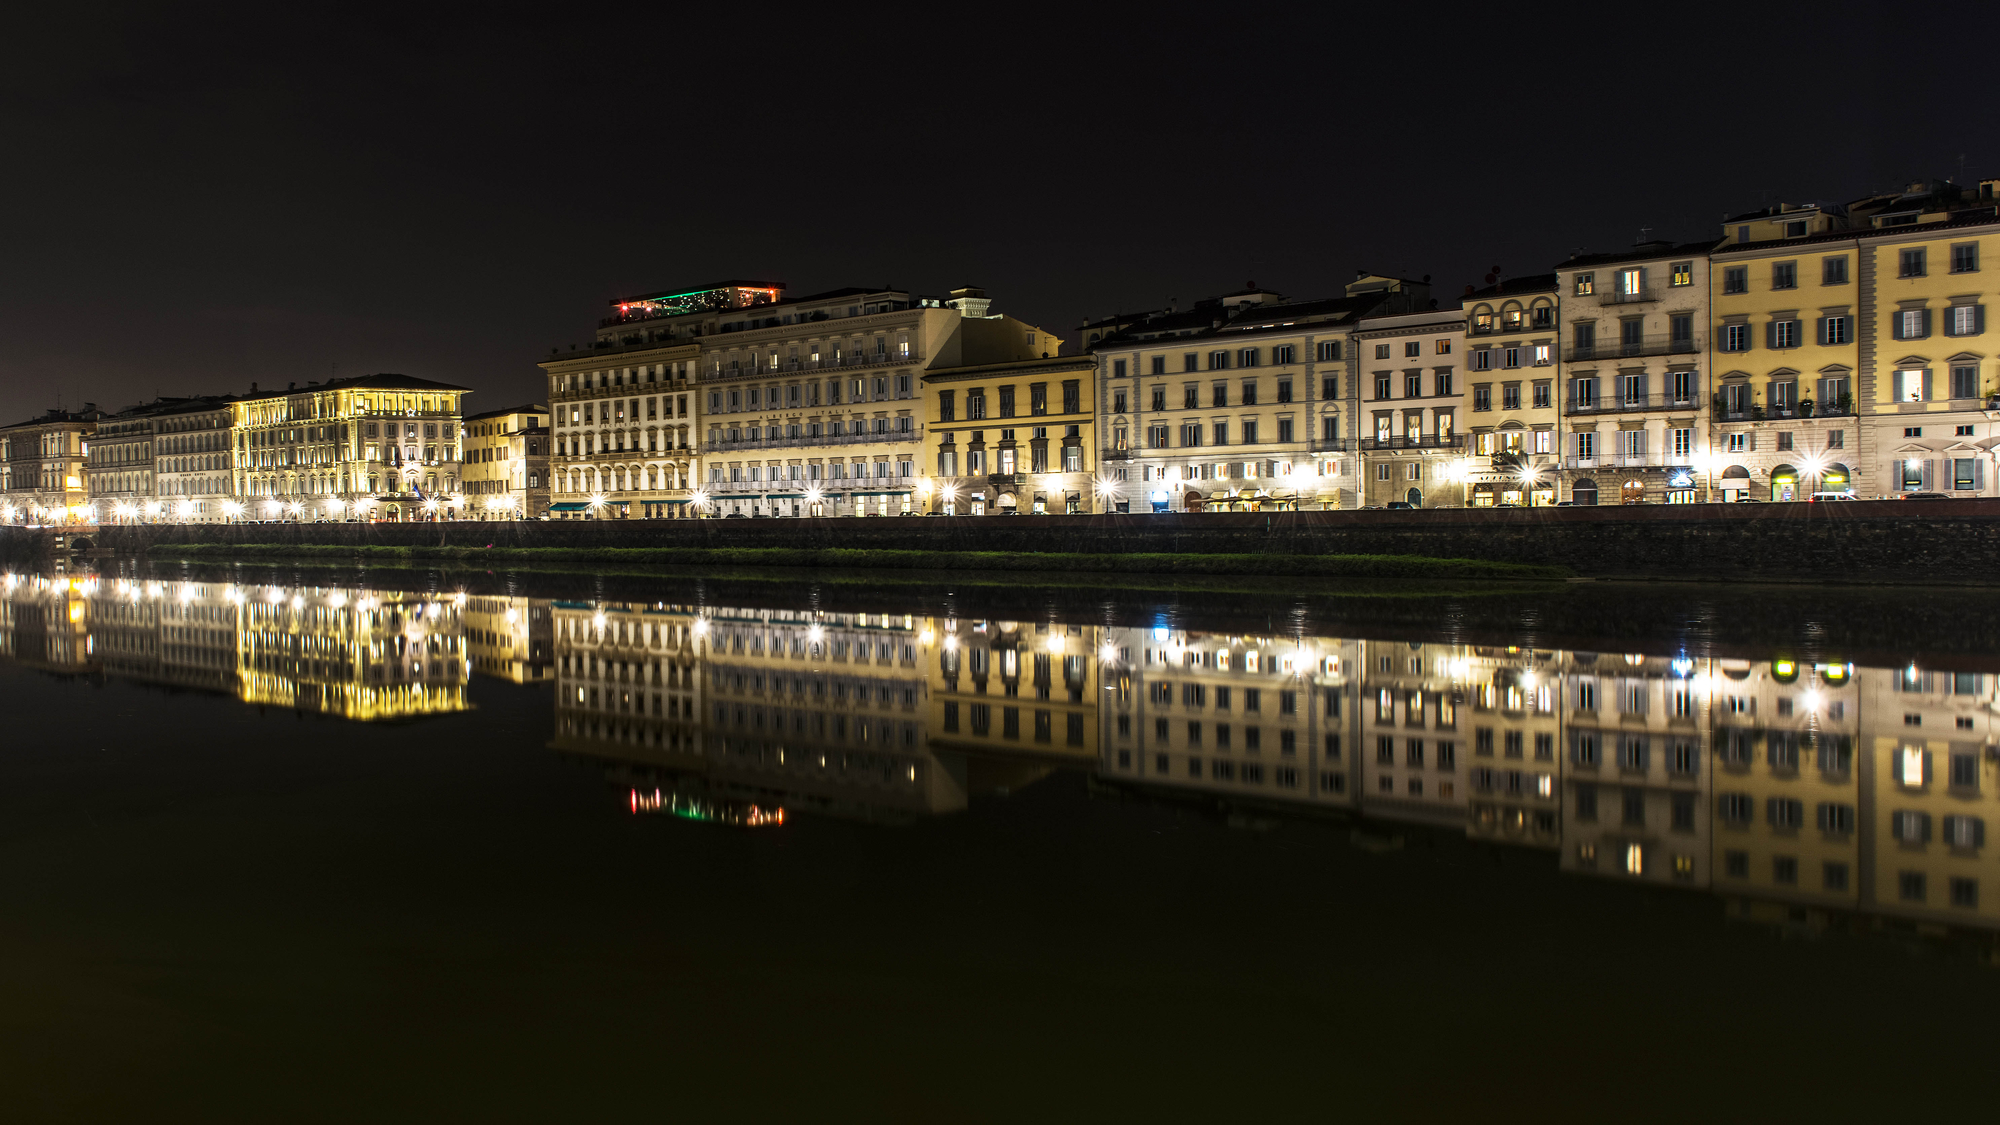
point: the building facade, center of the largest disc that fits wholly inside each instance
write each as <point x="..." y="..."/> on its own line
<point x="191" y="459"/>
<point x="507" y="463"/>
<point x="1513" y="414"/>
<point x="386" y="444"/>
<point x="624" y="436"/>
<point x="1635" y="374"/>
<point x="1015" y="437"/>
<point x="1239" y="403"/>
<point x="45" y="467"/>
<point x="1412" y="405"/>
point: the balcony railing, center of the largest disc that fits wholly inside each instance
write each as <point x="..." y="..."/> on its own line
<point x="724" y="444"/>
<point x="1760" y="413"/>
<point x="1114" y="455"/>
<point x="1617" y="298"/>
<point x="1515" y="328"/>
<point x="825" y="363"/>
<point x="1618" y="403"/>
<point x="1004" y="480"/>
<point x="1332" y="445"/>
<point x="1643" y="346"/>
<point x="1619" y="461"/>
<point x="1421" y="441"/>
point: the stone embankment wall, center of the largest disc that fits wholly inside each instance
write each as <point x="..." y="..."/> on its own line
<point x="1951" y="541"/>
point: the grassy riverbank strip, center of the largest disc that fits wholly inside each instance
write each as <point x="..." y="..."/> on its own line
<point x="1270" y="565"/>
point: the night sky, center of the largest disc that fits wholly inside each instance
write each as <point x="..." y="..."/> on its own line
<point x="197" y="199"/>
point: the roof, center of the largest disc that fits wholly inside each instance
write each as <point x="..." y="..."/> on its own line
<point x="529" y="408"/>
<point x="382" y="382"/>
<point x="1515" y="287"/>
<point x="1208" y="321"/>
<point x="1643" y="252"/>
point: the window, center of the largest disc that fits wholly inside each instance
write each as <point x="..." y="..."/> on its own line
<point x="1834" y="330"/>
<point x="1910" y="263"/>
<point x="1910" y="827"/>
<point x="1482" y="359"/>
<point x="1965" y="893"/>
<point x="1329" y="350"/>
<point x="1159" y="365"/>
<point x="1965" y="258"/>
<point x="1831" y="817"/>
<point x="1413" y="385"/>
<point x="1443" y="345"/>
<point x="1381" y="351"/>
<point x="1681" y="275"/>
<point x="1249" y="392"/>
<point x="1284" y="390"/>
<point x="1246" y="357"/>
<point x="1784" y="334"/>
<point x="1735" y="337"/>
<point x="1784" y="275"/>
<point x="1382" y="385"/>
<point x="1159" y="398"/>
<point x="1965" y="320"/>
<point x="1736" y="808"/>
<point x="1586" y="284"/>
<point x="1220" y="395"/>
<point x="1833" y="270"/>
<point x="1965" y="381"/>
<point x="1281" y="355"/>
<point x="1218" y="361"/>
<point x="1736" y="279"/>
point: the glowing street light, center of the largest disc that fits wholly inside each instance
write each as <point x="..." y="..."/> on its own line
<point x="231" y="509"/>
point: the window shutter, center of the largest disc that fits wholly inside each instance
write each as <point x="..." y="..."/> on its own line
<point x="1925" y="329"/>
<point x="1643" y="379"/>
<point x="1926" y="779"/>
<point x="1978" y="319"/>
<point x="1979" y="473"/>
<point x="1927" y="384"/>
<point x="1928" y="477"/>
<point x="1978" y="831"/>
<point x="1819" y="329"/>
<point x="1771" y="334"/>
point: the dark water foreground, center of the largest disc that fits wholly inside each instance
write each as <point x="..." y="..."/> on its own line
<point x="317" y="845"/>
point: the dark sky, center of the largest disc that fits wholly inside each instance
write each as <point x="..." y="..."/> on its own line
<point x="196" y="197"/>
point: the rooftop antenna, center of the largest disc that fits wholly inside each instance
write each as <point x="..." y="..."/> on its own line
<point x="1643" y="232"/>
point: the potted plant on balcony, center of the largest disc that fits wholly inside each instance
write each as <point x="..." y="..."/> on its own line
<point x="1845" y="403"/>
<point x="1805" y="408"/>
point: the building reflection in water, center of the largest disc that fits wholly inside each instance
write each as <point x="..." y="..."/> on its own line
<point x="358" y="654"/>
<point x="1798" y="792"/>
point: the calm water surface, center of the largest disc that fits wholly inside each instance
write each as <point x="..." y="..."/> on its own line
<point x="345" y="846"/>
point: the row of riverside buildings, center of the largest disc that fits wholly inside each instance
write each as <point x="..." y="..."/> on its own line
<point x="1815" y="793"/>
<point x="373" y="446"/>
<point x="1813" y="347"/>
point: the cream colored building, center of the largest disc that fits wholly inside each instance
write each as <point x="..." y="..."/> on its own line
<point x="45" y="467"/>
<point x="1512" y="403"/>
<point x="507" y="463"/>
<point x="1635" y="374"/>
<point x="1243" y="402"/>
<point x="1412" y="408"/>
<point x="624" y="432"/>
<point x="191" y="459"/>
<point x="815" y="404"/>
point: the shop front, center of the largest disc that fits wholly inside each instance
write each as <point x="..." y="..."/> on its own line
<point x="1583" y="493"/>
<point x="1785" y="483"/>
<point x="1734" y="484"/>
<point x="1681" y="486"/>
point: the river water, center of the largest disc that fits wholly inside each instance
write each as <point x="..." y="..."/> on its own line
<point x="314" y="844"/>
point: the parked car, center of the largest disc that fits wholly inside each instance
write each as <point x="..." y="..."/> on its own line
<point x="1401" y="506"/>
<point x="1823" y="497"/>
<point x="1923" y="496"/>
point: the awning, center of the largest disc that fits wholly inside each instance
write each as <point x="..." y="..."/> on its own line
<point x="893" y="492"/>
<point x="569" y="506"/>
<point x="784" y="496"/>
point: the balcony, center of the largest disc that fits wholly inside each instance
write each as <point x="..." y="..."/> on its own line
<point x="1114" y="455"/>
<point x="792" y="366"/>
<point x="1627" y="404"/>
<point x="1421" y="441"/>
<point x="1615" y="461"/>
<point x="725" y="445"/>
<point x="1332" y="445"/>
<point x="1514" y="328"/>
<point x="1637" y="297"/>
<point x="1724" y="413"/>
<point x="1665" y="344"/>
<point x="1005" y="480"/>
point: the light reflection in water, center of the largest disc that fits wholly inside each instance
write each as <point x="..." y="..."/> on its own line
<point x="1799" y="791"/>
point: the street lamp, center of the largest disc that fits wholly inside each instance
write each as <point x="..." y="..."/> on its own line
<point x="187" y="509"/>
<point x="596" y="503"/>
<point x="273" y="508"/>
<point x="231" y="509"/>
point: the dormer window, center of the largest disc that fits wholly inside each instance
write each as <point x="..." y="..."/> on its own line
<point x="1795" y="229"/>
<point x="1586" y="284"/>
